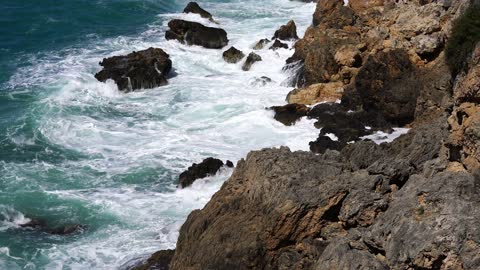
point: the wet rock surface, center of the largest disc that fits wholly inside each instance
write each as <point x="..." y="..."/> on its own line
<point x="278" y="45"/>
<point x="290" y="113"/>
<point x="42" y="226"/>
<point x="251" y="59"/>
<point x="193" y="33"/>
<point x="207" y="167"/>
<point x="194" y="7"/>
<point x="143" y="69"/>
<point x="286" y="32"/>
<point x="261" y="44"/>
<point x="233" y="55"/>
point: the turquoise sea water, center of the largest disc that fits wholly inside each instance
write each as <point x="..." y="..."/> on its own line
<point x="76" y="151"/>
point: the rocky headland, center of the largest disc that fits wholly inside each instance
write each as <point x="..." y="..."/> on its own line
<point x="350" y="203"/>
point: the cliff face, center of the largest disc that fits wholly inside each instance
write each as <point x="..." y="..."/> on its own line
<point x="410" y="204"/>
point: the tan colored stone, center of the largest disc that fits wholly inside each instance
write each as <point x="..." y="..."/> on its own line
<point x="315" y="93"/>
<point x="348" y="55"/>
<point x="362" y="5"/>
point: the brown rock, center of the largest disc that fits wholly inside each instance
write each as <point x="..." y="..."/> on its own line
<point x="349" y="56"/>
<point x="251" y="59"/>
<point x="362" y="5"/>
<point x="332" y="14"/>
<point x="286" y="32"/>
<point x="233" y="55"/>
<point x="315" y="93"/>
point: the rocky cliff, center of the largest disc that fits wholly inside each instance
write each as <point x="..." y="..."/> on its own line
<point x="410" y="204"/>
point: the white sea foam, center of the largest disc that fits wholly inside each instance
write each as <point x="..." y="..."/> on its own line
<point x="381" y="137"/>
<point x="210" y="109"/>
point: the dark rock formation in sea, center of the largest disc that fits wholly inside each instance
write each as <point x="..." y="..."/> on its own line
<point x="42" y="226"/>
<point x="290" y="113"/>
<point x="278" y="44"/>
<point x="193" y="33"/>
<point x="194" y="7"/>
<point x="261" y="44"/>
<point x="409" y="204"/>
<point x="251" y="59"/>
<point x="233" y="55"/>
<point x="208" y="166"/>
<point x="286" y="32"/>
<point x="143" y="69"/>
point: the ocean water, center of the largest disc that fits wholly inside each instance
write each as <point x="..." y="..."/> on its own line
<point x="73" y="150"/>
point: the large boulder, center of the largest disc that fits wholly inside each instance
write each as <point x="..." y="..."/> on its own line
<point x="207" y="167"/>
<point x="193" y="33"/>
<point x="286" y="32"/>
<point x="194" y="7"/>
<point x="143" y="69"/>
<point x="332" y="14"/>
<point x="251" y="59"/>
<point x="233" y="55"/>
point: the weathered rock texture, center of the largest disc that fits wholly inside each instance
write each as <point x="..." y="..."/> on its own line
<point x="143" y="69"/>
<point x="193" y="33"/>
<point x="290" y="113"/>
<point x="410" y="204"/>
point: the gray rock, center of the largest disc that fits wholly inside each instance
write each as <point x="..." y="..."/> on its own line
<point x="251" y="59"/>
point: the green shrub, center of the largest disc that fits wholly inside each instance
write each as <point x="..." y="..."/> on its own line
<point x="465" y="35"/>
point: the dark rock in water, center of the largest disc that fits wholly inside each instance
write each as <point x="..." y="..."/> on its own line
<point x="34" y="224"/>
<point x="233" y="55"/>
<point x="143" y="69"/>
<point x="395" y="91"/>
<point x="261" y="44"/>
<point x="251" y="59"/>
<point x="278" y="44"/>
<point x="193" y="7"/>
<point x="208" y="166"/>
<point x="290" y="113"/>
<point x="67" y="229"/>
<point x="193" y="33"/>
<point x="287" y="32"/>
<point x="41" y="225"/>
<point x="229" y="164"/>
<point x="323" y="143"/>
<point x="159" y="260"/>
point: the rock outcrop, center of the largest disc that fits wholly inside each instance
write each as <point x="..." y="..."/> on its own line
<point x="353" y="204"/>
<point x="261" y="44"/>
<point x="193" y="33"/>
<point x="143" y="69"/>
<point x="194" y="7"/>
<point x="286" y="32"/>
<point x="160" y="260"/>
<point x="233" y="55"/>
<point x="251" y="59"/>
<point x="278" y="45"/>
<point x="42" y="226"/>
<point x="207" y="167"/>
<point x="290" y="113"/>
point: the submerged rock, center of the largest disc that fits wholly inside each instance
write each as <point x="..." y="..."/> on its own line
<point x="193" y="33"/>
<point x="261" y="44"/>
<point x="208" y="166"/>
<point x="143" y="69"/>
<point x="286" y="32"/>
<point x="251" y="59"/>
<point x="41" y="225"/>
<point x="233" y="55"/>
<point x="290" y="113"/>
<point x="194" y="7"/>
<point x="278" y="45"/>
<point x="262" y="81"/>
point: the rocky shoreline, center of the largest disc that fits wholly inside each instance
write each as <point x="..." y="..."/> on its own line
<point x="349" y="203"/>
